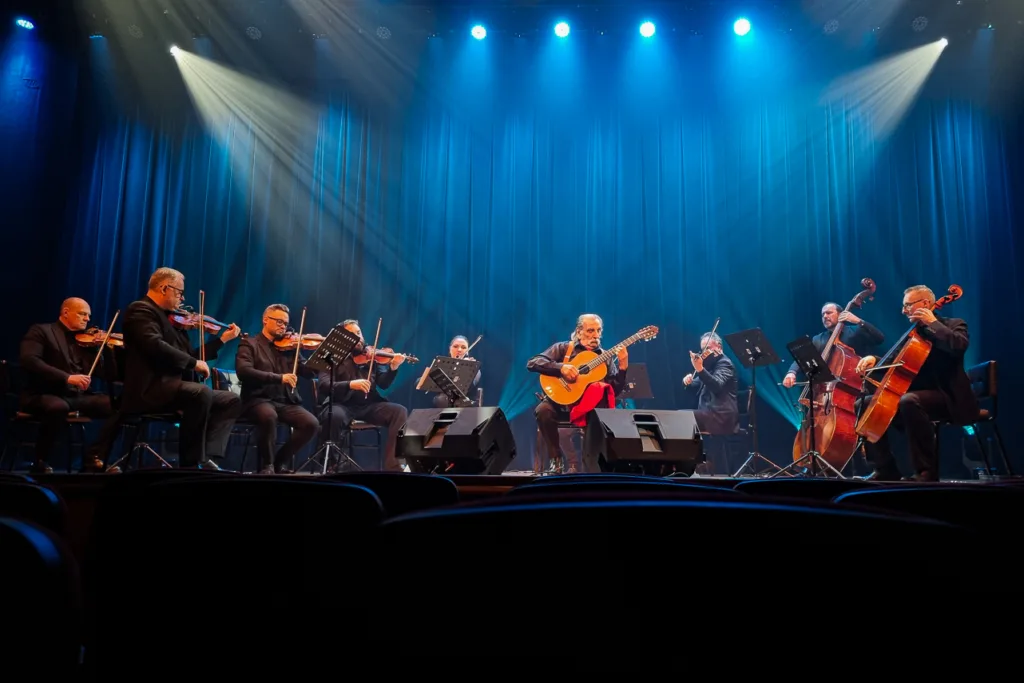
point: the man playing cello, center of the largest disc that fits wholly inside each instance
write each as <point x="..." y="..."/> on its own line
<point x="941" y="390"/>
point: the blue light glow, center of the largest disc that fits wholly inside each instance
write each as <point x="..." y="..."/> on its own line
<point x="561" y="29"/>
<point x="647" y="29"/>
<point x="741" y="27"/>
<point x="25" y="23"/>
<point x="479" y="32"/>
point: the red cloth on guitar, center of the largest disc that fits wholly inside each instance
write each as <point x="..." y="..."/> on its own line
<point x="593" y="396"/>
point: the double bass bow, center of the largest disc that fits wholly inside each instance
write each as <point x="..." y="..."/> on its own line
<point x="901" y="364"/>
<point x="835" y="417"/>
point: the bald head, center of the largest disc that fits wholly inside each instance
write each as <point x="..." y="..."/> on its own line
<point x="75" y="314"/>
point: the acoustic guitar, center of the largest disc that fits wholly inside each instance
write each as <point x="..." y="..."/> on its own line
<point x="592" y="368"/>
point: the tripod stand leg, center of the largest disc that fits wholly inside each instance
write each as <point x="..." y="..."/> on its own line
<point x="146" y="446"/>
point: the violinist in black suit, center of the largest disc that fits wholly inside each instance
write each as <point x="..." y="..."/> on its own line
<point x="858" y="334"/>
<point x="356" y="397"/>
<point x="941" y="391"/>
<point x="458" y="348"/>
<point x="57" y="382"/>
<point x="160" y="366"/>
<point x="270" y="394"/>
<point x="715" y="379"/>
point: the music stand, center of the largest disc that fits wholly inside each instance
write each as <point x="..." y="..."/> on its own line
<point x="811" y="362"/>
<point x="753" y="350"/>
<point x="332" y="351"/>
<point x="451" y="377"/>
<point x="638" y="383"/>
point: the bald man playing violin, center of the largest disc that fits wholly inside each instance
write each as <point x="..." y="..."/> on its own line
<point x="356" y="397"/>
<point x="270" y="392"/>
<point x="58" y="383"/>
<point x="158" y="357"/>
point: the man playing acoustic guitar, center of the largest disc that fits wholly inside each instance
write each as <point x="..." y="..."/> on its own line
<point x="555" y="362"/>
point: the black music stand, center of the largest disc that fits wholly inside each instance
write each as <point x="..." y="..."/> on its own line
<point x="813" y="365"/>
<point x="451" y="377"/>
<point x="332" y="351"/>
<point x="754" y="351"/>
<point x="638" y="383"/>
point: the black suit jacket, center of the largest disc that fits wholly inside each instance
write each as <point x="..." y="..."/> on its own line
<point x="47" y="354"/>
<point x="717" y="385"/>
<point x="158" y="357"/>
<point x="260" y="365"/>
<point x="862" y="338"/>
<point x="944" y="369"/>
<point x="347" y="371"/>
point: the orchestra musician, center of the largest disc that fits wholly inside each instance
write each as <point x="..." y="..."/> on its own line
<point x="356" y="397"/>
<point x="857" y="333"/>
<point x="270" y="394"/>
<point x="586" y="337"/>
<point x="458" y="348"/>
<point x="57" y="382"/>
<point x="158" y="358"/>
<point x="715" y="379"/>
<point x="941" y="391"/>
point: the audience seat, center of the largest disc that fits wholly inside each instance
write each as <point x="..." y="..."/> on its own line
<point x="402" y="492"/>
<point x="33" y="503"/>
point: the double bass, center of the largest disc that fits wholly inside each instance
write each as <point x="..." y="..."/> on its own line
<point x="835" y="419"/>
<point x="901" y="364"/>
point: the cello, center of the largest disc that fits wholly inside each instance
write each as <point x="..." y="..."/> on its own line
<point x="835" y="419"/>
<point x="901" y="364"/>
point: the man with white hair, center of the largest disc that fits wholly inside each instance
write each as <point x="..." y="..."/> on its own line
<point x="554" y="362"/>
<point x="941" y="390"/>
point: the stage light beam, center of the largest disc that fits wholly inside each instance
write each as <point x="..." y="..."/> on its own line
<point x="647" y="29"/>
<point x="479" y="32"/>
<point x="561" y="29"/>
<point x="741" y="27"/>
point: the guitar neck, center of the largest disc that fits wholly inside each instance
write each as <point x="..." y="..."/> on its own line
<point x="607" y="355"/>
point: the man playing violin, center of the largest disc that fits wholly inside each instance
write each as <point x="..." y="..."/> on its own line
<point x="586" y="337"/>
<point x="357" y="398"/>
<point x="858" y="334"/>
<point x="714" y="376"/>
<point x="57" y="383"/>
<point x="270" y="392"/>
<point x="458" y="348"/>
<point x="941" y="390"/>
<point x="158" y="357"/>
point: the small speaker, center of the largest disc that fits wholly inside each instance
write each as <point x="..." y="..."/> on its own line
<point x="650" y="441"/>
<point x="457" y="441"/>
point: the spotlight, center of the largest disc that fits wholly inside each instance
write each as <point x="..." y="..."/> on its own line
<point x="647" y="29"/>
<point x="25" y="23"/>
<point x="741" y="27"/>
<point x="943" y="42"/>
<point x="561" y="29"/>
<point x="174" y="49"/>
<point x="479" y="32"/>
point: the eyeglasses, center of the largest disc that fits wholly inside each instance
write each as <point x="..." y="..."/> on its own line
<point x="279" y="321"/>
<point x="910" y="306"/>
<point x="179" y="292"/>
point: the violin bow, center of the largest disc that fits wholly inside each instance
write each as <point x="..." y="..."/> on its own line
<point x="202" y="327"/>
<point x="106" y="340"/>
<point x="373" y="358"/>
<point x="474" y="344"/>
<point x="704" y="346"/>
<point x="298" y="346"/>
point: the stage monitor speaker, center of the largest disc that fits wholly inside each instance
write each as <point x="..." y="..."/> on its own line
<point x="650" y="441"/>
<point x="474" y="440"/>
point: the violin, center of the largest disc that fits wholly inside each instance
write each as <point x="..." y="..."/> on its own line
<point x="94" y="336"/>
<point x="291" y="341"/>
<point x="707" y="350"/>
<point x="187" y="319"/>
<point x="367" y="352"/>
